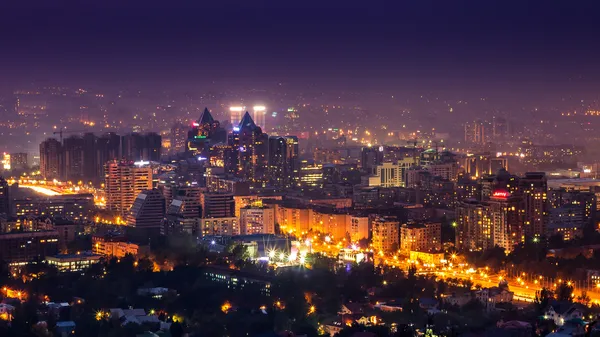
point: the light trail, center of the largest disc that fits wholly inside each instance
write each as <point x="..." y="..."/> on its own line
<point x="41" y="190"/>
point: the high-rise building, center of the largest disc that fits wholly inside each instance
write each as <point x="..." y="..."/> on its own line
<point x="152" y="147"/>
<point x="217" y="205"/>
<point x="235" y="115"/>
<point x="359" y="228"/>
<point x="123" y="182"/>
<point x="284" y="161"/>
<point x="252" y="148"/>
<point x="534" y="188"/>
<point x="388" y="175"/>
<point x="4" y="197"/>
<point x="506" y="216"/>
<point x="257" y="220"/>
<point x="370" y="158"/>
<point x="475" y="132"/>
<point x="178" y="137"/>
<point x="90" y="158"/>
<point x="421" y="237"/>
<point x="147" y="211"/>
<point x="206" y="131"/>
<point x="73" y="158"/>
<point x="18" y="161"/>
<point x="386" y="234"/>
<point x="108" y="148"/>
<point x="473" y="226"/>
<point x="50" y="159"/>
<point x="259" y="116"/>
<point x="139" y="147"/>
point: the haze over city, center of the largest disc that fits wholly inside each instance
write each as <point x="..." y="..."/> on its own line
<point x="315" y="168"/>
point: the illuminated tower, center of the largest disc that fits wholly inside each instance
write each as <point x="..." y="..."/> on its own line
<point x="252" y="147"/>
<point x="235" y="114"/>
<point x="534" y="187"/>
<point x="259" y="116"/>
<point x="123" y="182"/>
<point x="205" y="132"/>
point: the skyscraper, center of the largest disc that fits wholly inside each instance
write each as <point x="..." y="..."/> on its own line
<point x="147" y="212"/>
<point x="123" y="182"/>
<point x="534" y="187"/>
<point x="284" y="161"/>
<point x="90" y="158"/>
<point x="252" y="149"/>
<point x="138" y="147"/>
<point x="259" y="115"/>
<point x="205" y="132"/>
<point x="178" y="137"/>
<point x="235" y="115"/>
<point x="50" y="158"/>
<point x="107" y="148"/>
<point x="217" y="205"/>
<point x="18" y="161"/>
<point x="73" y="149"/>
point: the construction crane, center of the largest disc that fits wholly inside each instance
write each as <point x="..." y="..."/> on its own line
<point x="62" y="130"/>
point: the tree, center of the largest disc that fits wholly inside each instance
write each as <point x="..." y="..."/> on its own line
<point x="584" y="298"/>
<point x="542" y="299"/>
<point x="176" y="329"/>
<point x="564" y="292"/>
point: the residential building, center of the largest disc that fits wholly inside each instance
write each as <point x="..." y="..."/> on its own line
<point x="24" y="247"/>
<point x="385" y="234"/>
<point x="124" y="180"/>
<point x="422" y="237"/>
<point x="257" y="220"/>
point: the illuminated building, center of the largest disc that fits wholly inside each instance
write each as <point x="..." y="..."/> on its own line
<point x="483" y="164"/>
<point x="205" y="132"/>
<point x="259" y="114"/>
<point x="235" y="279"/>
<point x="367" y="197"/>
<point x="4" y="197"/>
<point x="73" y="158"/>
<point x="426" y="257"/>
<point x="68" y="206"/>
<point x="242" y="201"/>
<point x="358" y="228"/>
<point x="252" y="148"/>
<point x="567" y="221"/>
<point x="585" y="201"/>
<point x="178" y="137"/>
<point x="421" y="237"/>
<point x="534" y="189"/>
<point x="284" y="162"/>
<point x="311" y="175"/>
<point x="235" y="114"/>
<point x="72" y="262"/>
<point x="217" y="205"/>
<point x="502" y="180"/>
<point x="445" y="170"/>
<point x="473" y="226"/>
<point x="221" y="183"/>
<point x="6" y="162"/>
<point x="506" y="216"/>
<point x="25" y="247"/>
<point x="292" y="219"/>
<point x="257" y="220"/>
<point x="18" y="161"/>
<point x="370" y="158"/>
<point x="113" y="246"/>
<point x="355" y="256"/>
<point x="107" y="148"/>
<point x="388" y="175"/>
<point x="219" y="226"/>
<point x="124" y="180"/>
<point x="147" y="211"/>
<point x="50" y="159"/>
<point x="385" y="234"/>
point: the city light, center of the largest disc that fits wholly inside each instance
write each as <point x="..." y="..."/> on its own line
<point x="259" y="108"/>
<point x="236" y="109"/>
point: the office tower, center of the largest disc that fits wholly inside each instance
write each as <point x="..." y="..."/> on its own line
<point x="147" y="211"/>
<point x="4" y="197"/>
<point x="387" y="175"/>
<point x="18" y="161"/>
<point x="257" y="220"/>
<point x="311" y="175"/>
<point x="252" y="150"/>
<point x="50" y="158"/>
<point x="206" y="131"/>
<point x="178" y="137"/>
<point x="284" y="162"/>
<point x="90" y="158"/>
<point x="259" y="115"/>
<point x="370" y="158"/>
<point x="534" y="189"/>
<point x="123" y="182"/>
<point x="421" y="237"/>
<point x="73" y="158"/>
<point x="235" y="115"/>
<point x="386" y="234"/>
<point x="217" y="205"/>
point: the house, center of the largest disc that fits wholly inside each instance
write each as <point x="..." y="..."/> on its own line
<point x="389" y="306"/>
<point x="156" y="292"/>
<point x="457" y="299"/>
<point x="571" y="328"/>
<point x="65" y="328"/>
<point x="563" y="311"/>
<point x="351" y="308"/>
<point x="490" y="296"/>
<point x="137" y="316"/>
<point x="334" y="325"/>
<point x="428" y="303"/>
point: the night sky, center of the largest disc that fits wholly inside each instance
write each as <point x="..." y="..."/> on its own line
<point x="381" y="44"/>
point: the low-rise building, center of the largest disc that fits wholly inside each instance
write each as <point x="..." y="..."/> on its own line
<point x="73" y="262"/>
<point x="563" y="311"/>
